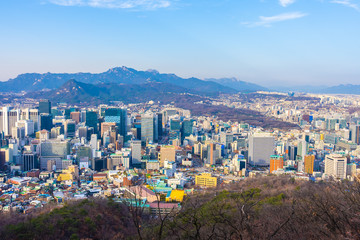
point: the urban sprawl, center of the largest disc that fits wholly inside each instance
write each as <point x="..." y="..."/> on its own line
<point x="160" y="153"/>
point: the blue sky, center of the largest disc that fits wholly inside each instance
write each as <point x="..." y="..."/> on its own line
<point x="269" y="42"/>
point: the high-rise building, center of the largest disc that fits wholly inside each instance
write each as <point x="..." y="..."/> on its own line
<point x="226" y="139"/>
<point x="45" y="106"/>
<point x="118" y="116"/>
<point x="309" y="164"/>
<point x="136" y="152"/>
<point x="213" y="153"/>
<point x="261" y="147"/>
<point x="331" y="123"/>
<point x="33" y="115"/>
<point x="335" y="166"/>
<point x="276" y="162"/>
<point x="8" y="119"/>
<point x="46" y="122"/>
<point x="159" y="117"/>
<point x="168" y="113"/>
<point x="28" y="125"/>
<point x="107" y="127"/>
<point x="83" y="116"/>
<point x="239" y="162"/>
<point x="186" y="128"/>
<point x="355" y="133"/>
<point x="175" y="125"/>
<point x="28" y="161"/>
<point x="302" y="148"/>
<point x="67" y="113"/>
<point x="18" y="132"/>
<point x="113" y="135"/>
<point x="83" y="131"/>
<point x="70" y="128"/>
<point x="167" y="153"/>
<point x="56" y="131"/>
<point x="2" y="159"/>
<point x="91" y="120"/>
<point x="75" y="116"/>
<point x="94" y="142"/>
<point x="292" y="152"/>
<point x="53" y="150"/>
<point x="147" y="128"/>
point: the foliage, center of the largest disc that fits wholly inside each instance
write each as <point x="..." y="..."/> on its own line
<point x="261" y="208"/>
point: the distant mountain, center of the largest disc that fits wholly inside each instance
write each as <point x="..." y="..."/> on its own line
<point x="77" y="92"/>
<point x="339" y="89"/>
<point x="238" y="85"/>
<point x="303" y="89"/>
<point x="343" y="89"/>
<point x="120" y="75"/>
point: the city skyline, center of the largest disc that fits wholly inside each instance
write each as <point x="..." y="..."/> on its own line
<point x="270" y="43"/>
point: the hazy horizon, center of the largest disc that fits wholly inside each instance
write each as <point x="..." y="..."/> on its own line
<point x="270" y="85"/>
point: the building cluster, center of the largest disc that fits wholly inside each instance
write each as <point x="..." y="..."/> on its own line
<point x="155" y="155"/>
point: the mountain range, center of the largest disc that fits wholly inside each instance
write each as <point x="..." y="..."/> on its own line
<point x="238" y="85"/>
<point x="338" y="89"/>
<point x="343" y="89"/>
<point x="29" y="82"/>
<point x="32" y="82"/>
<point x="76" y="92"/>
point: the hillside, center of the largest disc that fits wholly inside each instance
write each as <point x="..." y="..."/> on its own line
<point x="83" y="94"/>
<point x="75" y="92"/>
<point x="274" y="207"/>
<point x="120" y="75"/>
<point x="238" y="85"/>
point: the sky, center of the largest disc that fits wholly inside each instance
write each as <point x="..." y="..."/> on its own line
<point x="268" y="42"/>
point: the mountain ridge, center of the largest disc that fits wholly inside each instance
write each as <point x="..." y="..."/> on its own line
<point x="237" y="84"/>
<point x="36" y="81"/>
<point x="74" y="91"/>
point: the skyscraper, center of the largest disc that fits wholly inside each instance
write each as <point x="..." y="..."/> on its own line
<point x="94" y="142"/>
<point x="28" y="125"/>
<point x="8" y="119"/>
<point x="91" y="120"/>
<point x="159" y="125"/>
<point x="107" y="127"/>
<point x="83" y="131"/>
<point x="212" y="154"/>
<point x="45" y="106"/>
<point x="355" y="133"/>
<point x="118" y="116"/>
<point x="70" y="128"/>
<point x="261" y="147"/>
<point x="75" y="116"/>
<point x="186" y="128"/>
<point x="46" y="121"/>
<point x="175" y="125"/>
<point x="147" y="128"/>
<point x="167" y="153"/>
<point x="136" y="152"/>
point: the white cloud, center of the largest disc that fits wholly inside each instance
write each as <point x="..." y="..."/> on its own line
<point x="286" y="3"/>
<point x="348" y="3"/>
<point x="125" y="4"/>
<point x="268" y="21"/>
